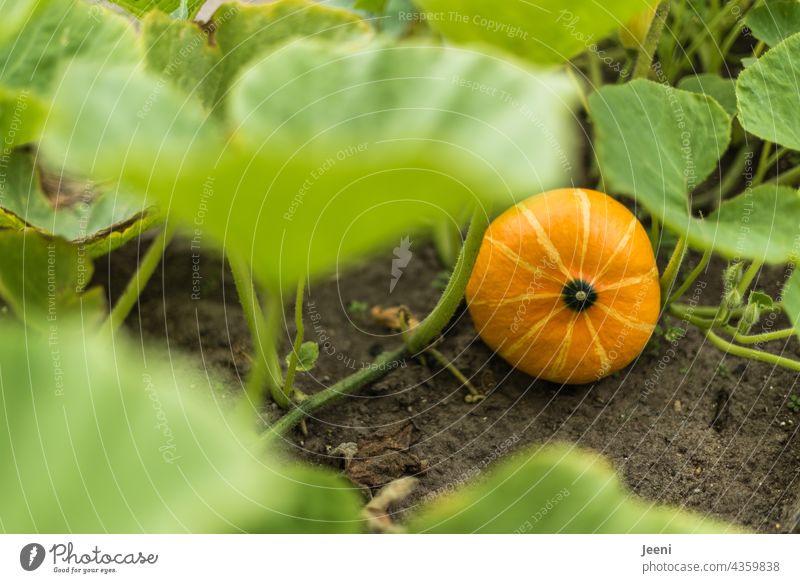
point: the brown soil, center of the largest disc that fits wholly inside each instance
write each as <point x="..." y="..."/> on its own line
<point x="711" y="433"/>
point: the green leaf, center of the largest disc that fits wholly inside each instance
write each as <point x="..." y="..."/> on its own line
<point x="180" y="52"/>
<point x="545" y="31"/>
<point x="307" y="356"/>
<point x="179" y="8"/>
<point x="711" y="84"/>
<point x="59" y="35"/>
<point x="130" y="442"/>
<point x="656" y="144"/>
<point x="316" y="178"/>
<point x="21" y="119"/>
<point x="90" y="215"/>
<point x="16" y="13"/>
<point x="43" y="281"/>
<point x="774" y="21"/>
<point x="761" y="224"/>
<point x="370" y="5"/>
<point x="761" y="299"/>
<point x="555" y="489"/>
<point x="790" y="300"/>
<point x="768" y="95"/>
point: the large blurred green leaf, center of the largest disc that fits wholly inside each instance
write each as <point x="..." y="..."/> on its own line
<point x="50" y="40"/>
<point x="16" y="13"/>
<point x="59" y="35"/>
<point x="337" y="152"/>
<point x="98" y="438"/>
<point x="545" y="31"/>
<point x="769" y="95"/>
<point x="774" y="20"/>
<point x="177" y="8"/>
<point x="556" y="489"/>
<point x="44" y="280"/>
<point x="180" y="52"/>
<point x="21" y="119"/>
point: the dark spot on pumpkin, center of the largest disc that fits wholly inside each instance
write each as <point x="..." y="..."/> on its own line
<point x="579" y="295"/>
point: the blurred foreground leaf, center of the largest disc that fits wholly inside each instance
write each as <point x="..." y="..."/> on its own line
<point x="180" y="50"/>
<point x="336" y="154"/>
<point x="98" y="438"/>
<point x="545" y="31"/>
<point x="557" y="489"/>
<point x="45" y="280"/>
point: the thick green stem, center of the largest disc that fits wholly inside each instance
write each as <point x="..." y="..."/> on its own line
<point x="648" y="49"/>
<point x="432" y="326"/>
<point x="147" y="266"/>
<point x="788" y="177"/>
<point x="294" y="357"/>
<point x="383" y="364"/>
<point x="760" y="338"/>
<point x="420" y="337"/>
<point x="749" y="276"/>
<point x="447" y="240"/>
<point x="690" y="279"/>
<point x="763" y="163"/>
<point x="265" y="372"/>
<point x="751" y="353"/>
<point x="672" y="269"/>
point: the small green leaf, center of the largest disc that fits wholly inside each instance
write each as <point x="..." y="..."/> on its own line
<point x="130" y="442"/>
<point x="307" y="356"/>
<point x="711" y="84"/>
<point x="545" y="31"/>
<point x="768" y="95"/>
<point x="44" y="281"/>
<point x="774" y="21"/>
<point x="555" y="489"/>
<point x="761" y="299"/>
<point x="180" y="8"/>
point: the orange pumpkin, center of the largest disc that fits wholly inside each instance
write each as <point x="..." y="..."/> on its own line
<point x="566" y="286"/>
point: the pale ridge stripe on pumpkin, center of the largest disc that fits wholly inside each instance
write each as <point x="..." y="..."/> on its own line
<point x="624" y="319"/>
<point x="516" y="299"/>
<point x="535" y="330"/>
<point x="516" y="258"/>
<point x="623" y="243"/>
<point x="586" y="210"/>
<point x="544" y="240"/>
<point x="627" y="281"/>
<point x="605" y="362"/>
<point x="563" y="351"/>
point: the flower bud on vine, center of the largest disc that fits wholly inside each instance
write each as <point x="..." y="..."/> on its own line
<point x="751" y="316"/>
